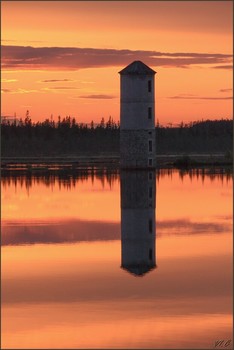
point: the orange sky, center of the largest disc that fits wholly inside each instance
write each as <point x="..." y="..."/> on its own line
<point x="63" y="58"/>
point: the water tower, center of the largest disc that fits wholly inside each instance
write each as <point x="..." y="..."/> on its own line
<point x="137" y="116"/>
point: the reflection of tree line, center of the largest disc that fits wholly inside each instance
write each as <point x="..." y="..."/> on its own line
<point x="67" y="137"/>
<point x="107" y="177"/>
<point x="213" y="173"/>
<point x="64" y="179"/>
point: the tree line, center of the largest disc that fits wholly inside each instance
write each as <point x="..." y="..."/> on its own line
<point x="66" y="137"/>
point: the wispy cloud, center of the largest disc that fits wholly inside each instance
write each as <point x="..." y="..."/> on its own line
<point x="102" y="97"/>
<point x="60" y="88"/>
<point x="225" y="90"/>
<point x="27" y="41"/>
<point x="224" y="67"/>
<point x="71" y="58"/>
<point x="6" y="90"/>
<point x="56" y="80"/>
<point x="17" y="91"/>
<point x="194" y="97"/>
<point x="8" y="80"/>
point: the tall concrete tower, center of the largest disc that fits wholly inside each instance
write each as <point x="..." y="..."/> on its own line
<point x="138" y="192"/>
<point x="137" y="116"/>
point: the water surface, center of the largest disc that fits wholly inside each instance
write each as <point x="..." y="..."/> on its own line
<point x="103" y="260"/>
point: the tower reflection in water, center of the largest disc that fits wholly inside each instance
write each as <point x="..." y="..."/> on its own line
<point x="138" y="192"/>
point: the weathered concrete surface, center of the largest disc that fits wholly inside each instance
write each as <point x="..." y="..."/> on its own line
<point x="134" y="149"/>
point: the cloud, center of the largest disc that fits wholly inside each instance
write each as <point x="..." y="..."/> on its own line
<point x="17" y="91"/>
<point x="102" y="97"/>
<point x="60" y="88"/>
<point x="57" y="89"/>
<point x="6" y="90"/>
<point x="225" y="90"/>
<point x="71" y="58"/>
<point x="193" y="97"/>
<point x="27" y="41"/>
<point x="8" y="80"/>
<point x="55" y="80"/>
<point x="223" y="67"/>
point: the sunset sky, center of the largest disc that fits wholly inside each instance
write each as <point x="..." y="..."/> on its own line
<point x="63" y="58"/>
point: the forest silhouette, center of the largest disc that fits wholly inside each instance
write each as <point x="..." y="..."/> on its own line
<point x="66" y="137"/>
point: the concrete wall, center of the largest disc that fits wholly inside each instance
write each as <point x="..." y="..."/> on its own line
<point x="134" y="102"/>
<point x="136" y="128"/>
<point x="134" y="88"/>
<point x="134" y="116"/>
<point x="134" y="148"/>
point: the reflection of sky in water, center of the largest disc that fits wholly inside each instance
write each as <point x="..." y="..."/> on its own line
<point x="62" y="285"/>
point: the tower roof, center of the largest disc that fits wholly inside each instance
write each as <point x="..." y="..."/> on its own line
<point x="137" y="68"/>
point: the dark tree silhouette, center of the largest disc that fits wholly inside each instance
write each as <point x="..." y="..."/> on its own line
<point x="66" y="137"/>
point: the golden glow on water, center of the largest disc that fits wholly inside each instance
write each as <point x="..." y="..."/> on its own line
<point x="99" y="200"/>
<point x="73" y="294"/>
<point x="87" y="201"/>
<point x="112" y="327"/>
<point x="78" y="290"/>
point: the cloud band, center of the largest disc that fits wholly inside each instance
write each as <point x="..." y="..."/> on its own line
<point x="70" y="58"/>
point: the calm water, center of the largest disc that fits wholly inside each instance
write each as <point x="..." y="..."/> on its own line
<point x="104" y="260"/>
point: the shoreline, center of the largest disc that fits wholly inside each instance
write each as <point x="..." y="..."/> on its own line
<point x="111" y="161"/>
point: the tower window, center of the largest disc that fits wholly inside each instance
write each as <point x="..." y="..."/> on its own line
<point x="149" y="113"/>
<point x="150" y="176"/>
<point x="149" y="86"/>
<point x="150" y="254"/>
<point x="150" y="162"/>
<point x="150" y="226"/>
<point x="150" y="146"/>
<point x="150" y="192"/>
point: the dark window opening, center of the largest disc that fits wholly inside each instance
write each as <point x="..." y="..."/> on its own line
<point x="150" y="146"/>
<point x="149" y="113"/>
<point x="149" y="86"/>
<point x="150" y="176"/>
<point x="150" y="192"/>
<point x="150" y="132"/>
<point x="150" y="254"/>
<point x="150" y="162"/>
<point x="150" y="225"/>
